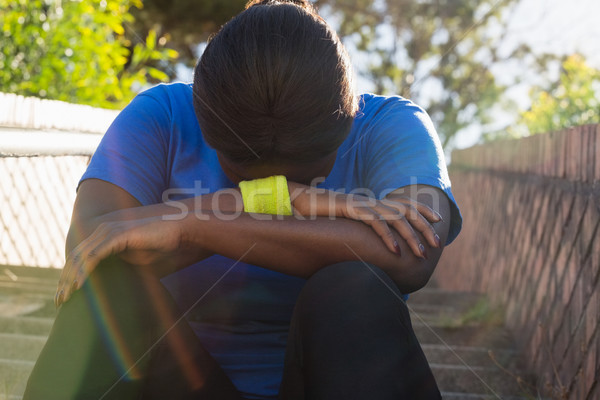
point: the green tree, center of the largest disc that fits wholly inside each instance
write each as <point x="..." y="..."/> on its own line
<point x="574" y="99"/>
<point x="186" y="23"/>
<point x="440" y="53"/>
<point x="76" y="51"/>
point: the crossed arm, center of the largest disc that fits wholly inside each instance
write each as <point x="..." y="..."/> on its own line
<point x="108" y="220"/>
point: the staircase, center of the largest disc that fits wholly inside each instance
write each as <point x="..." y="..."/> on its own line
<point x="457" y="331"/>
<point x="471" y="354"/>
<point x="26" y="316"/>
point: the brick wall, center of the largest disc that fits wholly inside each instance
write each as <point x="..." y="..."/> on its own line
<point x="531" y="211"/>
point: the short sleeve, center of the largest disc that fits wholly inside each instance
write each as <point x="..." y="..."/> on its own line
<point x="133" y="152"/>
<point x="402" y="148"/>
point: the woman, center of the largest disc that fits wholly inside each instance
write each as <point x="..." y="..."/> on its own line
<point x="308" y="303"/>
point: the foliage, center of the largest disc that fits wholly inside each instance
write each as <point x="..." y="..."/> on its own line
<point x="185" y="22"/>
<point x="573" y="100"/>
<point x="442" y="54"/>
<point x="76" y="51"/>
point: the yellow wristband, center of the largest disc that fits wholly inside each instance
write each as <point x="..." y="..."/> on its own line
<point x="266" y="196"/>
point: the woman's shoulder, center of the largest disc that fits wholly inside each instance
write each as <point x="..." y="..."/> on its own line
<point x="391" y="115"/>
<point x="373" y="106"/>
<point x="169" y="94"/>
<point x="164" y="104"/>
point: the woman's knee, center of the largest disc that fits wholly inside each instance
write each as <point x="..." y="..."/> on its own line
<point x="351" y="287"/>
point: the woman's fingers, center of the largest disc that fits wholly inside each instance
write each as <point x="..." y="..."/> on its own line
<point x="411" y="212"/>
<point x="405" y="216"/>
<point x="406" y="231"/>
<point x="82" y="261"/>
<point x="429" y="213"/>
<point x="380" y="226"/>
<point x="150" y="234"/>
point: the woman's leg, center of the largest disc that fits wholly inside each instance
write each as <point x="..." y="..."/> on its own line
<point x="351" y="338"/>
<point x="121" y="337"/>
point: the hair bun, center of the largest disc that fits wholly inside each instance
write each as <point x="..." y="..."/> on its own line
<point x="302" y="3"/>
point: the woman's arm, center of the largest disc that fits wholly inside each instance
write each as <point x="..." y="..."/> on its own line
<point x="289" y="245"/>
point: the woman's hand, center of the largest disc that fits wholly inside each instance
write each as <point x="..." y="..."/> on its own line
<point x="403" y="214"/>
<point x="140" y="242"/>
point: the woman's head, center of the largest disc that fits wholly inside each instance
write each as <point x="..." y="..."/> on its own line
<point x="274" y="86"/>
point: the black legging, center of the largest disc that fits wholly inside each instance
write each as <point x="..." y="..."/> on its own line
<point x="350" y="338"/>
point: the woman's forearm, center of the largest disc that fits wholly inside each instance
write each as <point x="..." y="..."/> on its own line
<point x="83" y="225"/>
<point x="215" y="223"/>
<point x="161" y="244"/>
<point x="302" y="247"/>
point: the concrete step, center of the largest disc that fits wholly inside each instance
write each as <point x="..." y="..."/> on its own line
<point x="39" y="326"/>
<point x="33" y="290"/>
<point x="443" y="298"/>
<point x="475" y="335"/>
<point x="16" y="346"/>
<point x="476" y="380"/>
<point x="433" y="314"/>
<point x="13" y="306"/>
<point x="455" y="343"/>
<point x="457" y="332"/>
<point x="474" y="356"/>
<point x="7" y="275"/>
<point x="475" y="396"/>
<point x="16" y="272"/>
<point x="13" y="377"/>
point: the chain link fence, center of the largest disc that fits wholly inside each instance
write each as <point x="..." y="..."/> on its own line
<point x="45" y="147"/>
<point x="37" y="200"/>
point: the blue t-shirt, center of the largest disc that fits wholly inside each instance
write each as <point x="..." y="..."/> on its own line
<point x="155" y="146"/>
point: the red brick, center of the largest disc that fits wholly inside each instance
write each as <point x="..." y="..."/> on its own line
<point x="561" y="342"/>
<point x="576" y="218"/>
<point x="577" y="305"/>
<point x="569" y="162"/>
<point x="560" y="153"/>
<point x="560" y="266"/>
<point x="589" y="224"/>
<point x="583" y="152"/>
<point x="596" y="145"/>
<point x="595" y="393"/>
<point x="590" y="155"/>
<point x="544" y="219"/>
<point x="550" y="160"/>
<point x="532" y="156"/>
<point x="589" y="372"/>
<point x="547" y="160"/>
<point x="542" y="285"/>
<point x="575" y="157"/>
<point x="587" y="279"/>
<point x="537" y="167"/>
<point x="554" y="219"/>
<point x="550" y="167"/>
<point x="568" y="369"/>
<point x="557" y="312"/>
<point x="592" y="315"/>
<point x="569" y="278"/>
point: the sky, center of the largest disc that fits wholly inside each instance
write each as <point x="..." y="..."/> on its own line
<point x="560" y="26"/>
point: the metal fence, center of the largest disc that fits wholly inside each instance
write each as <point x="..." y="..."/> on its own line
<point x="37" y="198"/>
<point x="45" y="147"/>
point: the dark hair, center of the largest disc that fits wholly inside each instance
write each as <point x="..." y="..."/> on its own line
<point x="275" y="85"/>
